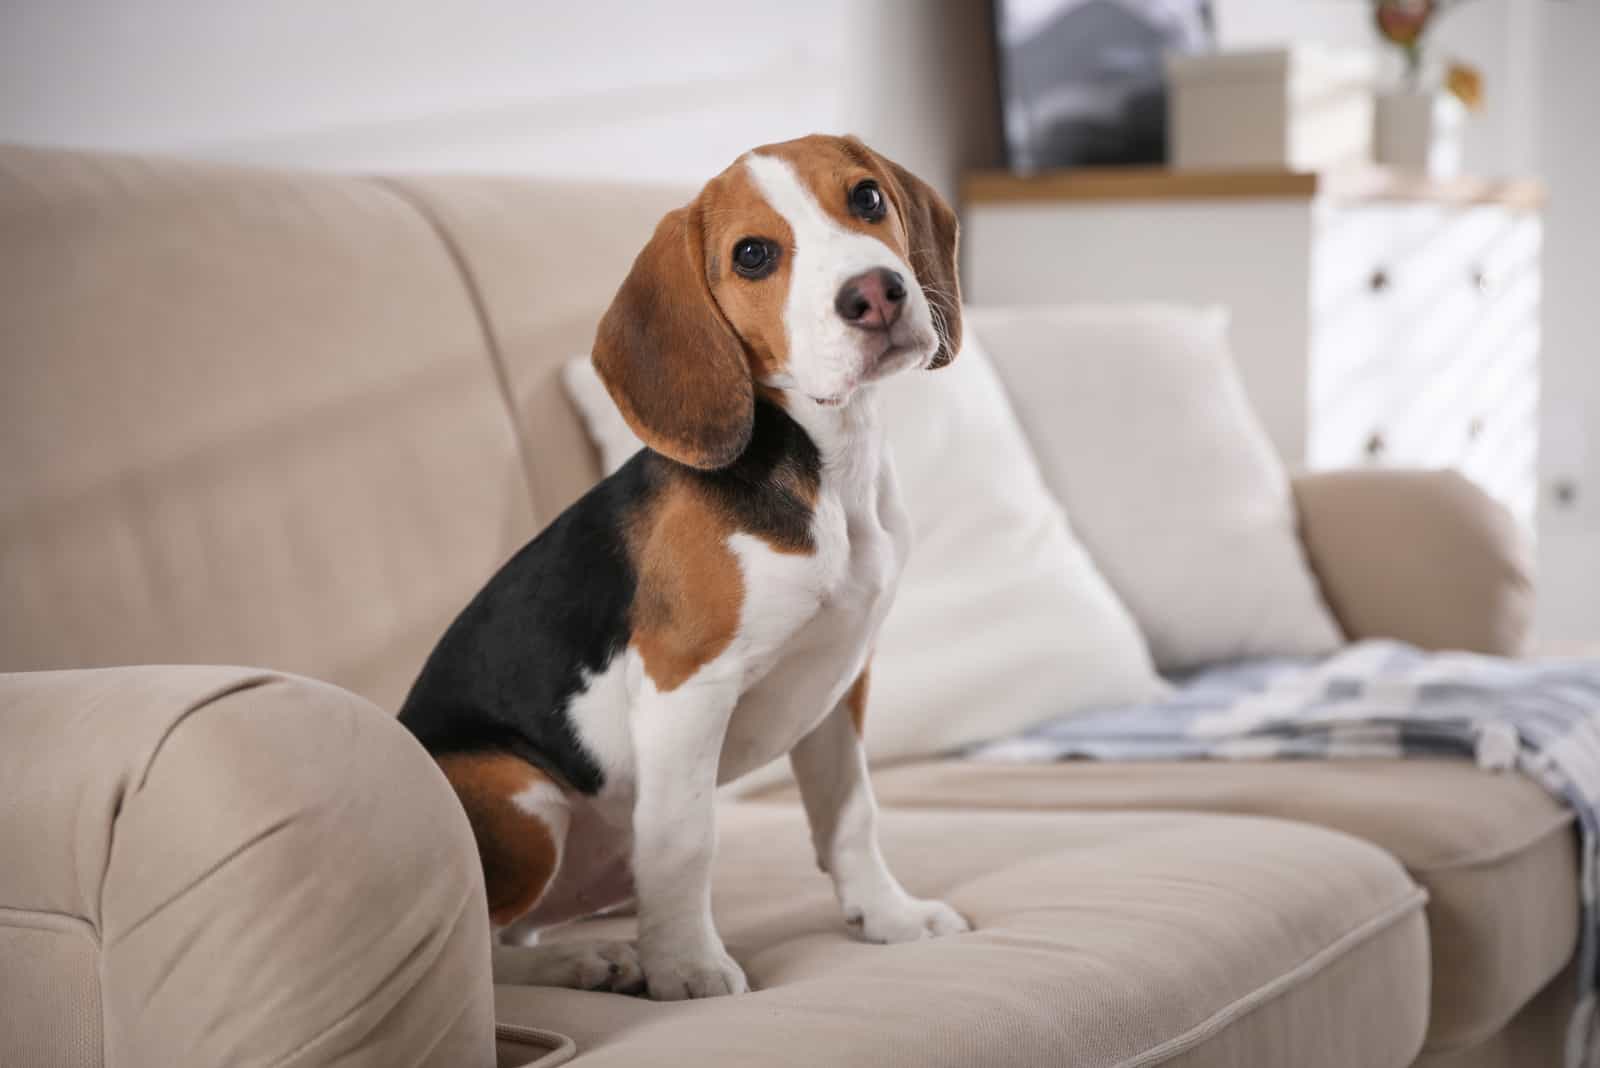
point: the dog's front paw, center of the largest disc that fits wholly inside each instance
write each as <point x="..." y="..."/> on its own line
<point x="707" y="973"/>
<point x="906" y="919"/>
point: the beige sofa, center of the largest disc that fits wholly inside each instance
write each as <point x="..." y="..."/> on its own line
<point x="293" y="421"/>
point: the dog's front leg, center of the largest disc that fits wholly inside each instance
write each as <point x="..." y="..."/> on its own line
<point x="678" y="738"/>
<point x="831" y="768"/>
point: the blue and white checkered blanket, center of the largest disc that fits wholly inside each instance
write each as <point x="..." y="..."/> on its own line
<point x="1375" y="699"/>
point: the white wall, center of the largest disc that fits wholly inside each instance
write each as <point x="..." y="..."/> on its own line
<point x="672" y="91"/>
<point x="1567" y="131"/>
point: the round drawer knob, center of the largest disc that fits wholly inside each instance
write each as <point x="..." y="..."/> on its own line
<point x="1379" y="282"/>
<point x="1480" y="280"/>
<point x="1475" y="428"/>
<point x="1376" y="444"/>
<point x="1565" y="492"/>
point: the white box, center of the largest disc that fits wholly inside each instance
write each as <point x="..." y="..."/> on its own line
<point x="1305" y="108"/>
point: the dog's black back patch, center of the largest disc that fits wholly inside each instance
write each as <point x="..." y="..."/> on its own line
<point x="553" y="615"/>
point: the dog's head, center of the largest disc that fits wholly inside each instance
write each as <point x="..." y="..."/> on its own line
<point x="813" y="266"/>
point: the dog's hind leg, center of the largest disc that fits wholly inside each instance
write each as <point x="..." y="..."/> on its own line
<point x="519" y="818"/>
<point x="586" y="965"/>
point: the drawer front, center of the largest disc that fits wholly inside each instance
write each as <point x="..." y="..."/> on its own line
<point x="1425" y="338"/>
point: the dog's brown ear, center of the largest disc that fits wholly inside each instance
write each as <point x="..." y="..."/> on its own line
<point x="675" y="368"/>
<point x="933" y="234"/>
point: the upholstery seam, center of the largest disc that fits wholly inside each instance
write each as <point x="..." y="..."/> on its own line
<point x="559" y="1048"/>
<point x="773" y="795"/>
<point x="1496" y="856"/>
<point x="490" y="337"/>
<point x="62" y="923"/>
<point x="1269" y="991"/>
<point x="58" y="922"/>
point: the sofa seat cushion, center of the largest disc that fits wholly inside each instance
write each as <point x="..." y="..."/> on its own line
<point x="1101" y="939"/>
<point x="1496" y="853"/>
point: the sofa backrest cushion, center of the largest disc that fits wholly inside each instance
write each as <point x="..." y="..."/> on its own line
<point x="246" y="417"/>
<point x="544" y="259"/>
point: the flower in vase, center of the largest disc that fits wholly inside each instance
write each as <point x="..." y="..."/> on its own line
<point x="1402" y="22"/>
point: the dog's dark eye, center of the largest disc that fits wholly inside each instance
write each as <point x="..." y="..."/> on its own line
<point x="754" y="258"/>
<point x="866" y="200"/>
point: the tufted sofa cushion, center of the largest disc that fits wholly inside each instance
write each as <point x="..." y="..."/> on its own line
<point x="1497" y="854"/>
<point x="1108" y="939"/>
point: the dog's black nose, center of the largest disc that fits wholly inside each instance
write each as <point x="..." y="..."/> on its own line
<point x="871" y="300"/>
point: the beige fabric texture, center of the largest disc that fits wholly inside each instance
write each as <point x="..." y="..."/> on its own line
<point x="1534" y="1038"/>
<point x="1496" y="853"/>
<point x="1422" y="556"/>
<point x="50" y="991"/>
<point x="545" y="259"/>
<point x="258" y="424"/>
<point x="197" y="842"/>
<point x="1102" y="939"/>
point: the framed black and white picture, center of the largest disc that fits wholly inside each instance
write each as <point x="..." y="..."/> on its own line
<point x="1081" y="81"/>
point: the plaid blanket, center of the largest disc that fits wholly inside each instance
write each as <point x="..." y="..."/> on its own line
<point x="1375" y="699"/>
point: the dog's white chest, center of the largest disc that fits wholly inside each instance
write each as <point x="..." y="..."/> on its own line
<point x="813" y="617"/>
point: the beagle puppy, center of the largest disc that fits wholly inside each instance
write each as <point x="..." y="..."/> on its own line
<point x="713" y="604"/>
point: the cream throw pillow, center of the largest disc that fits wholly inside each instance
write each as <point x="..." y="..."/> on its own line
<point x="1143" y="431"/>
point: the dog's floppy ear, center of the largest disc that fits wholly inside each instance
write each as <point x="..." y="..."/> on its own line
<point x="674" y="366"/>
<point x="933" y="234"/>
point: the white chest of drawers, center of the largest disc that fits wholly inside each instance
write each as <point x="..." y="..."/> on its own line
<point x="1375" y="320"/>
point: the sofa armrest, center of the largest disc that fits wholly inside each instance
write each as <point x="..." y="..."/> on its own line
<point x="1424" y="557"/>
<point x="221" y="866"/>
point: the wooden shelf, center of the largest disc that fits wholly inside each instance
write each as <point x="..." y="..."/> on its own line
<point x="1160" y="183"/>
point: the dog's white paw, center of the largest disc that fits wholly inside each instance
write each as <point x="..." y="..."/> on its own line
<point x="612" y="966"/>
<point x="905" y="919"/>
<point x="709" y="973"/>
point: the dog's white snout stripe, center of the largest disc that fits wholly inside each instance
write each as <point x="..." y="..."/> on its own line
<point x="826" y="353"/>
